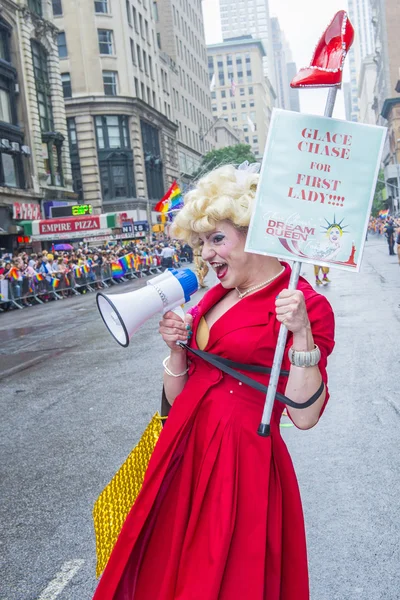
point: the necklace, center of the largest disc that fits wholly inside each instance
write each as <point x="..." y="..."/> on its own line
<point x="259" y="286"/>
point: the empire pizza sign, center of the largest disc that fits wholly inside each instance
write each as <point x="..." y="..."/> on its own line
<point x="77" y="224"/>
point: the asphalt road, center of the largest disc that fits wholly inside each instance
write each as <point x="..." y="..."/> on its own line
<point x="73" y="403"/>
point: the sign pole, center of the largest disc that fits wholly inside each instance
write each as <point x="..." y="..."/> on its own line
<point x="264" y="427"/>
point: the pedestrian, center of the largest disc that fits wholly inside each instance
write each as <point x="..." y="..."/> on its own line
<point x="325" y="280"/>
<point x="219" y="514"/>
<point x="389" y="233"/>
<point x="167" y="254"/>
<point x="398" y="243"/>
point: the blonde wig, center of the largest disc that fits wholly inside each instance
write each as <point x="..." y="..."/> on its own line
<point x="224" y="194"/>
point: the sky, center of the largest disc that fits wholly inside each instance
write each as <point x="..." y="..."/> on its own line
<point x="303" y="24"/>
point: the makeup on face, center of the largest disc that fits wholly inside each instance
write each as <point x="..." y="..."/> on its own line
<point x="223" y="250"/>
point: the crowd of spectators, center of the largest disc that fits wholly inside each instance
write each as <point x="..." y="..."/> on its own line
<point x="22" y="271"/>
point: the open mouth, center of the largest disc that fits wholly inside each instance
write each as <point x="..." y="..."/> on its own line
<point x="220" y="269"/>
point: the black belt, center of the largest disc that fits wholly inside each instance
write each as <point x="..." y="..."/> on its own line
<point x="229" y="367"/>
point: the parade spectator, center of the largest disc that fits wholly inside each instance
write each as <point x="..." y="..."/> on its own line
<point x="398" y="244"/>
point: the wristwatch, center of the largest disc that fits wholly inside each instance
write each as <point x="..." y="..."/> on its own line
<point x="304" y="359"/>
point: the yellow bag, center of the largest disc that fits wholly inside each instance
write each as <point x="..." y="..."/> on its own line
<point x="116" y="500"/>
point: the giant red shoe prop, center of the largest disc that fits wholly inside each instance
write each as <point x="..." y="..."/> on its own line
<point x="327" y="63"/>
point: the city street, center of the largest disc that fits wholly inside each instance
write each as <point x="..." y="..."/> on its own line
<point x="73" y="404"/>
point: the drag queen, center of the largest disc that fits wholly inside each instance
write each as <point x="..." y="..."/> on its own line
<point x="219" y="516"/>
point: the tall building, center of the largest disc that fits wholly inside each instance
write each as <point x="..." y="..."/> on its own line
<point x="34" y="157"/>
<point x="347" y="100"/>
<point x="366" y="84"/>
<point x="249" y="17"/>
<point x="386" y="23"/>
<point x="294" y="96"/>
<point x="119" y="103"/>
<point x="181" y="40"/>
<point x="243" y="95"/>
<point x="360" y="16"/>
<point x="284" y="69"/>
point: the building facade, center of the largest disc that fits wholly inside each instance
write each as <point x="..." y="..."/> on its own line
<point x="249" y="17"/>
<point x="360" y="16"/>
<point x="391" y="156"/>
<point x="366" y="84"/>
<point x="181" y="40"/>
<point x="243" y="95"/>
<point x="34" y="154"/>
<point x="386" y="22"/>
<point x="284" y="69"/>
<point x="118" y="100"/>
<point x="226" y="135"/>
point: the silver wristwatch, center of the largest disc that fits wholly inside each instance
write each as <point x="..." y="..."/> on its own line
<point x="304" y="359"/>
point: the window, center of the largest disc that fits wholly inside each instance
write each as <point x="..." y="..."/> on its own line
<point x="224" y="106"/>
<point x="43" y="91"/>
<point x="159" y="41"/>
<point x="145" y="63"/>
<point x="4" y="37"/>
<point x="135" y="20"/>
<point x="233" y="104"/>
<point x="116" y="168"/>
<point x="251" y="103"/>
<point x="223" y="94"/>
<point x="152" y="160"/>
<point x="5" y="102"/>
<point x="110" y="83"/>
<point x="242" y="91"/>
<point x="137" y="87"/>
<point x="139" y="56"/>
<point x="66" y="84"/>
<point x="106" y="41"/>
<point x="151" y="67"/>
<point x="52" y="158"/>
<point x="62" y="45"/>
<point x="255" y="139"/>
<point x="133" y="51"/>
<point x="244" y="116"/>
<point x="251" y="91"/>
<point x="10" y="170"/>
<point x="246" y="139"/>
<point x="101" y="6"/>
<point x="234" y="118"/>
<point x="214" y="108"/>
<point x="249" y="76"/>
<point x="146" y="27"/>
<point x="75" y="162"/>
<point x="141" y="25"/>
<point x="243" y="105"/>
<point x="128" y="12"/>
<point x="213" y="95"/>
<point x="155" y="12"/>
<point x="57" y="8"/>
<point x="35" y="6"/>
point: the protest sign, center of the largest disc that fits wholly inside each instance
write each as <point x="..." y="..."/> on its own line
<point x="316" y="189"/>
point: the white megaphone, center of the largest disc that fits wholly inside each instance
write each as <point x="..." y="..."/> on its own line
<point x="123" y="314"/>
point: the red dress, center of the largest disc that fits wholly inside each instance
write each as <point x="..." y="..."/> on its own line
<point x="219" y="516"/>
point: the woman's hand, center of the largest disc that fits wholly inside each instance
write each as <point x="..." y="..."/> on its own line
<point x="173" y="329"/>
<point x="291" y="311"/>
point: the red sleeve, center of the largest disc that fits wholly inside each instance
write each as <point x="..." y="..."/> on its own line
<point x="322" y="322"/>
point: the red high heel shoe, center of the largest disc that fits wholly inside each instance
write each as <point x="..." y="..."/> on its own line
<point x="327" y="63"/>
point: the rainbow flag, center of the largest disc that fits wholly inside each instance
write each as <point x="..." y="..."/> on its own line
<point x="78" y="272"/>
<point x="86" y="269"/>
<point x="117" y="270"/>
<point x="171" y="201"/>
<point x="136" y="262"/>
<point x="384" y="213"/>
<point x="55" y="283"/>
<point x="126" y="261"/>
<point x="13" y="272"/>
<point x="39" y="277"/>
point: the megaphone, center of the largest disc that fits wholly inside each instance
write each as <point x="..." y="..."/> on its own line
<point x="123" y="314"/>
